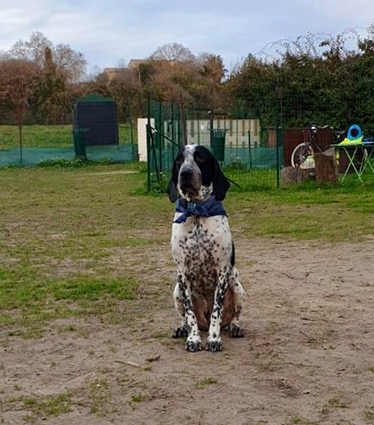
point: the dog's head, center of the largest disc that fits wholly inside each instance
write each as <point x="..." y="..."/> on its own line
<point x="196" y="175"/>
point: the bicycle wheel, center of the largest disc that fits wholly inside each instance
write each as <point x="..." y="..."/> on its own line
<point x="302" y="156"/>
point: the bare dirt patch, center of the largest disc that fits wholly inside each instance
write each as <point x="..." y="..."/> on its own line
<point x="307" y="356"/>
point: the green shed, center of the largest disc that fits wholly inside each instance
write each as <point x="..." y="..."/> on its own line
<point x="98" y="116"/>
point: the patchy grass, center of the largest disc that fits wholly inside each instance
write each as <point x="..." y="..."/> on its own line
<point x="308" y="212"/>
<point x="205" y="383"/>
<point x="73" y="241"/>
<point x="335" y="403"/>
<point x="137" y="398"/>
<point x="297" y="419"/>
<point x="98" y="396"/>
<point x="369" y="415"/>
<point x="49" y="406"/>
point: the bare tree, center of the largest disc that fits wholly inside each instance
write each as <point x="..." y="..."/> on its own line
<point x="175" y="83"/>
<point x="31" y="50"/>
<point x="125" y="89"/>
<point x="121" y="63"/>
<point x="93" y="73"/>
<point x="52" y="96"/>
<point x="211" y="66"/>
<point x="70" y="63"/>
<point x="18" y="80"/>
<point x="173" y="52"/>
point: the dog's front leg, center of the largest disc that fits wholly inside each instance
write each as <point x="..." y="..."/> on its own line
<point x="193" y="342"/>
<point x="214" y="342"/>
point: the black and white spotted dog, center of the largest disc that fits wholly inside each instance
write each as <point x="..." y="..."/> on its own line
<point x="208" y="295"/>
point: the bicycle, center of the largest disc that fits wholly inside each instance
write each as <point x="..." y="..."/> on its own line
<point x="302" y="155"/>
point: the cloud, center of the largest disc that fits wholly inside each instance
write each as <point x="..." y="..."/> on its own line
<point x="107" y="31"/>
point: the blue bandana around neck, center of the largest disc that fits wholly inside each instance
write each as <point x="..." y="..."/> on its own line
<point x="208" y="208"/>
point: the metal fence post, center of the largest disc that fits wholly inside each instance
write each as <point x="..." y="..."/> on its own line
<point x="148" y="145"/>
<point x="172" y="131"/>
<point x="211" y="126"/>
<point x="20" y="145"/>
<point x="249" y="149"/>
<point x="278" y="121"/>
<point x="160" y="130"/>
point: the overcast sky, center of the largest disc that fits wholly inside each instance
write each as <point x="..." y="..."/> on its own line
<point x="108" y="32"/>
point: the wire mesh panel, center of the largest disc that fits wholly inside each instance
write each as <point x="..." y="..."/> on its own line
<point x="164" y="138"/>
<point x="247" y="148"/>
<point x="40" y="143"/>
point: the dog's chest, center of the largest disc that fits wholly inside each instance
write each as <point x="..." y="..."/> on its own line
<point x="201" y="247"/>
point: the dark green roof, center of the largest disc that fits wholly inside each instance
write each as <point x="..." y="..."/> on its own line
<point x="95" y="98"/>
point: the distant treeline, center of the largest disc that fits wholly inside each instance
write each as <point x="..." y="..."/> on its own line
<point x="315" y="78"/>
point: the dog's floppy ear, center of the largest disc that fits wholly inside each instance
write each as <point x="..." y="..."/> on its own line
<point x="172" y="191"/>
<point x="220" y="183"/>
<point x="172" y="186"/>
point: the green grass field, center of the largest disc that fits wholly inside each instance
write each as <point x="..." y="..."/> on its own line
<point x="44" y="136"/>
<point x="60" y="227"/>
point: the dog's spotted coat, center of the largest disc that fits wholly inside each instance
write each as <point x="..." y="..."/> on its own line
<point x="208" y="295"/>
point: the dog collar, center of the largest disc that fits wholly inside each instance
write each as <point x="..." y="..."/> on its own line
<point x="209" y="208"/>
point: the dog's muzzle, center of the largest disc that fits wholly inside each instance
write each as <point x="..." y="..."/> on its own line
<point x="188" y="182"/>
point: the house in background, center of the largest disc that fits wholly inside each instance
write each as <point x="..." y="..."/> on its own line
<point x="134" y="63"/>
<point x="112" y="73"/>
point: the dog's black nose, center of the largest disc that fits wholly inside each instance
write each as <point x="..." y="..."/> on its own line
<point x="186" y="173"/>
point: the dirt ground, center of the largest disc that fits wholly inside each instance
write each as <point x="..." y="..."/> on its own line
<point x="307" y="356"/>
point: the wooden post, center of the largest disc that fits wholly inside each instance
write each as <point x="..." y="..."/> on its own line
<point x="326" y="166"/>
<point x="296" y="175"/>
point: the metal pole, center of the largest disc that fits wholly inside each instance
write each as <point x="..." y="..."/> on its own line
<point x="279" y="137"/>
<point x="211" y="127"/>
<point x="172" y="131"/>
<point x="20" y="145"/>
<point x="179" y="126"/>
<point x="249" y="149"/>
<point x="131" y="133"/>
<point x="148" y="145"/>
<point x="159" y="131"/>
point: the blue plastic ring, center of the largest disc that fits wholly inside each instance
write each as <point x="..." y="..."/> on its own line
<point x="354" y="127"/>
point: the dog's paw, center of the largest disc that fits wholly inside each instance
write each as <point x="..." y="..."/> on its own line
<point x="181" y="332"/>
<point x="236" y="331"/>
<point x="215" y="345"/>
<point x="193" y="346"/>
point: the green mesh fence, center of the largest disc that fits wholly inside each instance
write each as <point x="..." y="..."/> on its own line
<point x="248" y="150"/>
<point x="251" y="167"/>
<point x="36" y="156"/>
<point x="46" y="143"/>
<point x="253" y="143"/>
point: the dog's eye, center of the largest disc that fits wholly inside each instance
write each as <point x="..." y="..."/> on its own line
<point x="179" y="159"/>
<point x="199" y="158"/>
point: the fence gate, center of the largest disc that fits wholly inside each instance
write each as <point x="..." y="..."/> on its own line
<point x="164" y="138"/>
<point x="247" y="148"/>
